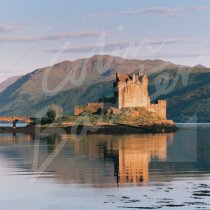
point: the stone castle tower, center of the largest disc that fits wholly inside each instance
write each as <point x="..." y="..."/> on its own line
<point x="132" y="91"/>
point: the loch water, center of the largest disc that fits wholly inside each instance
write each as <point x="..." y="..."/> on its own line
<point x="145" y="171"/>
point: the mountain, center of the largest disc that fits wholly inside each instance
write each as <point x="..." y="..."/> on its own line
<point x="8" y="82"/>
<point x="199" y="66"/>
<point x="70" y="83"/>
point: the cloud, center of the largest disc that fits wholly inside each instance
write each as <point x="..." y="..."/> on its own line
<point x="115" y="46"/>
<point x="164" y="11"/>
<point x="7" y="28"/>
<point x="161" y="11"/>
<point x="201" y="8"/>
<point x="175" y="55"/>
<point x="72" y="35"/>
<point x="51" y="37"/>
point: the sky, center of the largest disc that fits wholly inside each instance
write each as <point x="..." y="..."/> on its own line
<point x="35" y="34"/>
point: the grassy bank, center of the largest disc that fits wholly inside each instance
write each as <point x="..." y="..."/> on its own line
<point x="129" y="116"/>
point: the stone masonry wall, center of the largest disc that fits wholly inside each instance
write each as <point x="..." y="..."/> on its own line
<point x="78" y="110"/>
<point x="90" y="108"/>
<point x="159" y="108"/>
<point x="94" y="107"/>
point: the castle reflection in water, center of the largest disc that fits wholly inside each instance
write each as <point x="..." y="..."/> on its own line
<point x="96" y="160"/>
<point x="130" y="154"/>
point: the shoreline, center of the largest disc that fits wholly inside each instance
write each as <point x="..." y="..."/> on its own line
<point x="109" y="129"/>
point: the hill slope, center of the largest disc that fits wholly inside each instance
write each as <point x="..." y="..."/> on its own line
<point x="77" y="82"/>
<point x="8" y="82"/>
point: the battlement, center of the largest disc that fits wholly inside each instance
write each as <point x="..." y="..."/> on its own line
<point x="131" y="78"/>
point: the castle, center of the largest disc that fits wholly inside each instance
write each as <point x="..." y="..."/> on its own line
<point x="130" y="91"/>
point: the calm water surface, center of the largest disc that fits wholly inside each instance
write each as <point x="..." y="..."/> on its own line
<point x="153" y="171"/>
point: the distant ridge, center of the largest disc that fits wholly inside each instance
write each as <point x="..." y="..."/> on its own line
<point x="199" y="66"/>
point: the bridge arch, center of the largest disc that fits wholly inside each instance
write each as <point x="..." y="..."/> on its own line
<point x="15" y="119"/>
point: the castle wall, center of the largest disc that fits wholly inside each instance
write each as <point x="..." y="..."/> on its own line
<point x="95" y="107"/>
<point x="78" y="110"/>
<point x="90" y="108"/>
<point x="159" y="108"/>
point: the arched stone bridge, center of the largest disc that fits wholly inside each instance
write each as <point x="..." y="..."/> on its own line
<point x="14" y="120"/>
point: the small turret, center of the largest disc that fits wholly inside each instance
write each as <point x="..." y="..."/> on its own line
<point x="144" y="78"/>
<point x="133" y="77"/>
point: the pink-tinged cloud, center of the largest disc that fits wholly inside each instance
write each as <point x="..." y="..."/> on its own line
<point x="7" y="28"/>
<point x="156" y="11"/>
<point x="50" y="37"/>
<point x="176" y="55"/>
<point x="160" y="11"/>
<point x="201" y="8"/>
<point x="107" y="47"/>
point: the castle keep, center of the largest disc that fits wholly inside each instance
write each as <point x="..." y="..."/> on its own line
<point x="130" y="91"/>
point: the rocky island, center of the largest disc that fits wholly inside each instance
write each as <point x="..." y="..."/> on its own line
<point x="130" y="108"/>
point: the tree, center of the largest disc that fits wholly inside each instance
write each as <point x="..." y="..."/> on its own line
<point x="54" y="113"/>
<point x="51" y="115"/>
